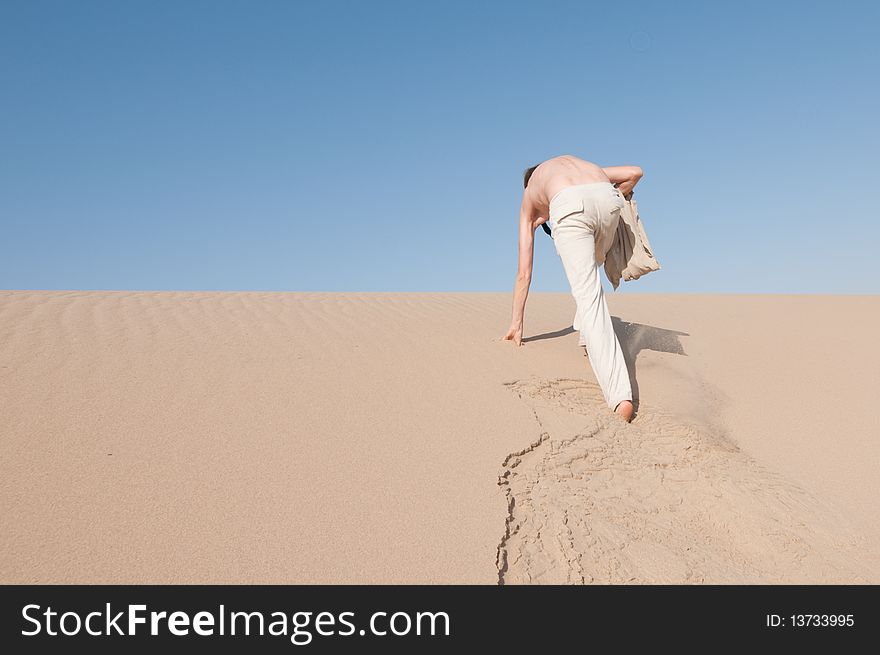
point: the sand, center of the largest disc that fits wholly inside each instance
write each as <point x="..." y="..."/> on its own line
<point x="392" y="438"/>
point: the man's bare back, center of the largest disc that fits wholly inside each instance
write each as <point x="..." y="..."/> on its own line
<point x="555" y="174"/>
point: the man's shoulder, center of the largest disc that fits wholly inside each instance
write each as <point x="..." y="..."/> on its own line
<point x="531" y="197"/>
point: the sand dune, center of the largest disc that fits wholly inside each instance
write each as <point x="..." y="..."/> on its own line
<point x="391" y="438"/>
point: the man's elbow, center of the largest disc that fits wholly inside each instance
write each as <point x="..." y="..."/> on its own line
<point x="524" y="277"/>
<point x="637" y="172"/>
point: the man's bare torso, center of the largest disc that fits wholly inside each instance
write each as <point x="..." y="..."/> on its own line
<point x="551" y="177"/>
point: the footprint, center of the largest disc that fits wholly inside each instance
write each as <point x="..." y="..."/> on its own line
<point x="596" y="500"/>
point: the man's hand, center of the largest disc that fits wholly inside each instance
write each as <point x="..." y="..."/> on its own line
<point x="514" y="334"/>
<point x="625" y="177"/>
<point x="626" y="188"/>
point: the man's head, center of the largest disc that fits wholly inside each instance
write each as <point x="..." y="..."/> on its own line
<point x="527" y="174"/>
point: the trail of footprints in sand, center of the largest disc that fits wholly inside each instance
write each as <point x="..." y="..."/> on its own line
<point x="596" y="500"/>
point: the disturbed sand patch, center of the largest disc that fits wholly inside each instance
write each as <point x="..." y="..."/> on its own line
<point x="595" y="500"/>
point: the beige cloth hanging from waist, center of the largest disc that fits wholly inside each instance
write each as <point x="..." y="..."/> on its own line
<point x="630" y="255"/>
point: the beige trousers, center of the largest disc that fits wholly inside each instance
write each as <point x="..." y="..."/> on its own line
<point x="583" y="222"/>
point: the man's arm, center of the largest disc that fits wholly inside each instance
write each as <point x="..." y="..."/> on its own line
<point x="625" y="177"/>
<point x="524" y="272"/>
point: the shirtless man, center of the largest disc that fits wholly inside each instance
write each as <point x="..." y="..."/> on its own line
<point x="581" y="203"/>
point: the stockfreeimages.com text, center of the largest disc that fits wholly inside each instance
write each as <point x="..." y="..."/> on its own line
<point x="301" y="627"/>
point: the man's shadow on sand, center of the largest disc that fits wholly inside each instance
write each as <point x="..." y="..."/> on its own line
<point x="634" y="338"/>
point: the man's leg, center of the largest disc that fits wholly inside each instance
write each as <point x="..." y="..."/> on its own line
<point x="576" y="326"/>
<point x="575" y="245"/>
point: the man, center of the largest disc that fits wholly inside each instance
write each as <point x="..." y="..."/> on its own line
<point x="581" y="203"/>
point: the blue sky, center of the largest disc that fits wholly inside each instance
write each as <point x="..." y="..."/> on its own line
<point x="379" y="146"/>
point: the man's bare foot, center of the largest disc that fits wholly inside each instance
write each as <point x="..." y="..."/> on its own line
<point x="625" y="409"/>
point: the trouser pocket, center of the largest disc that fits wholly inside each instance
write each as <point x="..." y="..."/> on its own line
<point x="562" y="209"/>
